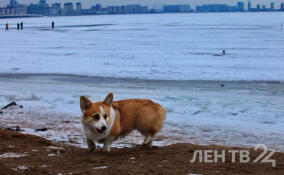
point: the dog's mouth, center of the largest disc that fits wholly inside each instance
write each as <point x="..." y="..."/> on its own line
<point x="100" y="131"/>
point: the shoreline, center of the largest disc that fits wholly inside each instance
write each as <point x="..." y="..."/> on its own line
<point x="36" y="155"/>
<point x="63" y="76"/>
<point x="195" y="109"/>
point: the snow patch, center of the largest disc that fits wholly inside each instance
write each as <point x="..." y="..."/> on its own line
<point x="28" y="96"/>
<point x="51" y="155"/>
<point x="100" y="167"/>
<point x="12" y="155"/>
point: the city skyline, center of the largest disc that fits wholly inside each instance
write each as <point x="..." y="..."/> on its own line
<point x="150" y="3"/>
<point x="42" y="8"/>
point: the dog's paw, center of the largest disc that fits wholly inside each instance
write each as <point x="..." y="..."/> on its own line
<point x="91" y="149"/>
<point x="106" y="149"/>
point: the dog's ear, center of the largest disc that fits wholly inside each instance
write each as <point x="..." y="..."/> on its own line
<point x="108" y="100"/>
<point x="85" y="104"/>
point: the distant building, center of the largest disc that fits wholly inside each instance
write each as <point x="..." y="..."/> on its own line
<point x="55" y="9"/>
<point x="134" y="8"/>
<point x="14" y="8"/>
<point x="2" y="11"/>
<point x="13" y="3"/>
<point x="56" y="5"/>
<point x="241" y="6"/>
<point x="262" y="8"/>
<point x="43" y="4"/>
<point x="40" y="8"/>
<point x="21" y="9"/>
<point x="98" y="7"/>
<point x="33" y="9"/>
<point x="249" y="6"/>
<point x="45" y="10"/>
<point x="68" y="8"/>
<point x="78" y="7"/>
<point x="177" y="9"/>
<point x="272" y="6"/>
<point x="128" y="9"/>
<point x="213" y="8"/>
<point x="114" y="9"/>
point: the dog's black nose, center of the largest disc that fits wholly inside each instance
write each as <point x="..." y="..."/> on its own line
<point x="103" y="128"/>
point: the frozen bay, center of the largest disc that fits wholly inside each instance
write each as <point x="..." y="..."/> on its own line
<point x="173" y="59"/>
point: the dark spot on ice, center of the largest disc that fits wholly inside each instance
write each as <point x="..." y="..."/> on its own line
<point x="13" y="128"/>
<point x="18" y="129"/>
<point x="234" y="113"/>
<point x="197" y="112"/>
<point x="267" y="122"/>
<point x="68" y="54"/>
<point x="41" y="129"/>
<point x="16" y="68"/>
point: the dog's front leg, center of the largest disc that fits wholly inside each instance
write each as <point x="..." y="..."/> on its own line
<point x="107" y="144"/>
<point x="91" y="145"/>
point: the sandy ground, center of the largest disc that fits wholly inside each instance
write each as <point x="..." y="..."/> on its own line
<point x="27" y="154"/>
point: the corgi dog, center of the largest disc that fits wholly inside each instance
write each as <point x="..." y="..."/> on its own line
<point x="109" y="120"/>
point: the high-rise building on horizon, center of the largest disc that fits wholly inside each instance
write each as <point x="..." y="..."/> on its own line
<point x="249" y="5"/>
<point x="68" y="8"/>
<point x="241" y="6"/>
<point x="55" y="9"/>
<point x="272" y="5"/>
<point x="177" y="8"/>
<point x="78" y="7"/>
<point x="56" y="5"/>
<point x="13" y="3"/>
<point x="43" y="4"/>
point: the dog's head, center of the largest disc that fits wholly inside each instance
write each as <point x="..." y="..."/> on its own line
<point x="97" y="116"/>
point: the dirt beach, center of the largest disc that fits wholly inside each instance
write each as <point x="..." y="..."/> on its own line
<point x="27" y="154"/>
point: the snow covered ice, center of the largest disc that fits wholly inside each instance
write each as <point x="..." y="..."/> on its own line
<point x="162" y="46"/>
<point x="173" y="59"/>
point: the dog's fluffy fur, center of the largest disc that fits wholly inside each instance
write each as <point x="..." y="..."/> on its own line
<point x="108" y="120"/>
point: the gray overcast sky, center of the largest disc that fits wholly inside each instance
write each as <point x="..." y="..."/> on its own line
<point x="151" y="3"/>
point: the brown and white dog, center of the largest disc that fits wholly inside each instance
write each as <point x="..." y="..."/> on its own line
<point x="108" y="120"/>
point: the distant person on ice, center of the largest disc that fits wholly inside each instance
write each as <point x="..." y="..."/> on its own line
<point x="22" y="25"/>
<point x="18" y="26"/>
<point x="52" y="25"/>
<point x="7" y="27"/>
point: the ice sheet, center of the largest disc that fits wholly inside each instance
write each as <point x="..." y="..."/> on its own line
<point x="162" y="46"/>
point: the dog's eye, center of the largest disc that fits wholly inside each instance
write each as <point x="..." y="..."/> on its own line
<point x="97" y="117"/>
<point x="105" y="116"/>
